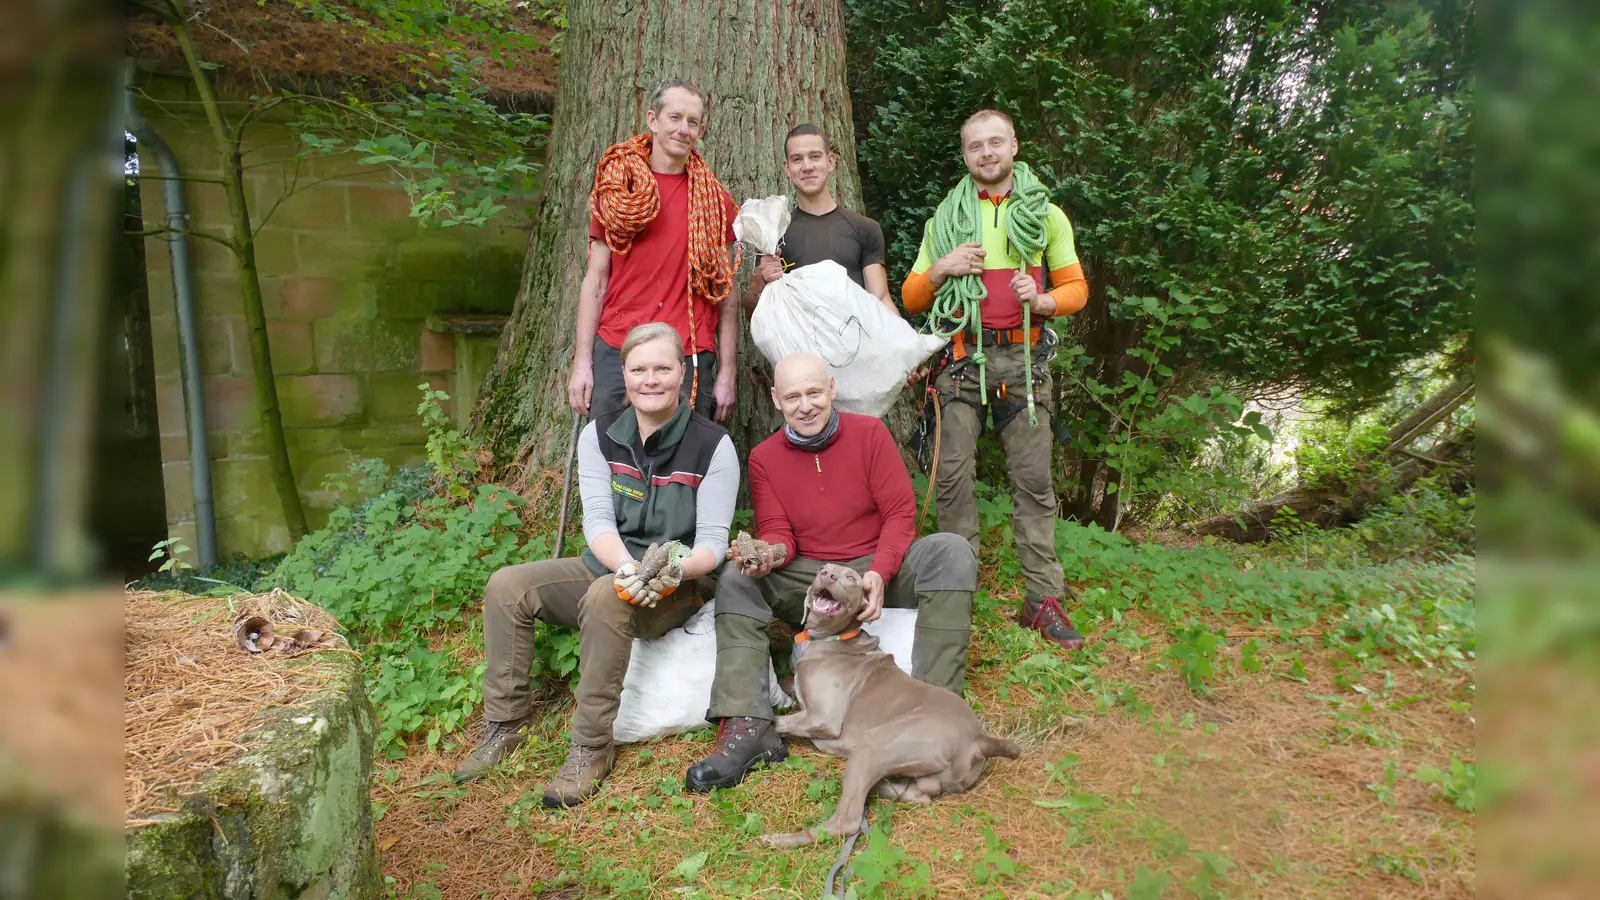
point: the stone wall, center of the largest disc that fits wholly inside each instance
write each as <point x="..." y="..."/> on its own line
<point x="350" y="282"/>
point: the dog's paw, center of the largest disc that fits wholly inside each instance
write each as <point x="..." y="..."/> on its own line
<point x="788" y="841"/>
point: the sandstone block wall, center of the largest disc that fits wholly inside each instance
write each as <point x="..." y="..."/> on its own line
<point x="349" y="281"/>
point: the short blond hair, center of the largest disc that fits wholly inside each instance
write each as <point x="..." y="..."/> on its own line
<point x="982" y="114"/>
<point x="652" y="331"/>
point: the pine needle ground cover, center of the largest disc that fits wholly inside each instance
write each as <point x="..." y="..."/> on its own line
<point x="1267" y="723"/>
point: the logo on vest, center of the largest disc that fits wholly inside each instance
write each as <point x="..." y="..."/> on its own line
<point x="627" y="490"/>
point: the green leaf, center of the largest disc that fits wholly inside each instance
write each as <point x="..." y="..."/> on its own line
<point x="691" y="866"/>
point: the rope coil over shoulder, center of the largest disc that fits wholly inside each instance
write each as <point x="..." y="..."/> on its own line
<point x="957" y="303"/>
<point x="625" y="199"/>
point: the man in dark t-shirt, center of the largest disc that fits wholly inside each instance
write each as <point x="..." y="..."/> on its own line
<point x="820" y="228"/>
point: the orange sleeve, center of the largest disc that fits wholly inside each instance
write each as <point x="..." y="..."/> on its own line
<point x="1071" y="290"/>
<point x="917" y="292"/>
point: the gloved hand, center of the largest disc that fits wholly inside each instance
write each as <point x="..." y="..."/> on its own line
<point x="644" y="583"/>
<point x="665" y="582"/>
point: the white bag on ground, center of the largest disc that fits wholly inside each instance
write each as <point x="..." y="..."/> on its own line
<point x="869" y="350"/>
<point x="895" y="630"/>
<point x="668" y="686"/>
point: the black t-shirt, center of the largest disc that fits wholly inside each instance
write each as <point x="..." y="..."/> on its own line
<point x="849" y="239"/>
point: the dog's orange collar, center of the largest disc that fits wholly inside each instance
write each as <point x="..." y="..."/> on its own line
<point x="804" y="636"/>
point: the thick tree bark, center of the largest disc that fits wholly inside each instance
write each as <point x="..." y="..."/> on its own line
<point x="766" y="68"/>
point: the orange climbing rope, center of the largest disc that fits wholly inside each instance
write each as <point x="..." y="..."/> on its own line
<point x="625" y="199"/>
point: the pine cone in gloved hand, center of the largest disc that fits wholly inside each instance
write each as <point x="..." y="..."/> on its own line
<point x="657" y="575"/>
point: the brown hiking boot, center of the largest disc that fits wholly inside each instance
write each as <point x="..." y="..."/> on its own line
<point x="1045" y="615"/>
<point x="498" y="742"/>
<point x="580" y="775"/>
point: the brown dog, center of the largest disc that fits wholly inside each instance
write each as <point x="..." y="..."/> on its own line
<point x="900" y="738"/>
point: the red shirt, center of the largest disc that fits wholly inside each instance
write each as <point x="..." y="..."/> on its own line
<point x="852" y="499"/>
<point x="650" y="283"/>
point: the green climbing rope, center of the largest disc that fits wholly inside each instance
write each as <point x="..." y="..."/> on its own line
<point x="956" y="302"/>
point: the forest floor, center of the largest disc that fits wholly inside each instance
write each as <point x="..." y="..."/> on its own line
<point x="1236" y="727"/>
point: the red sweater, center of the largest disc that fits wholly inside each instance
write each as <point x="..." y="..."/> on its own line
<point x="852" y="499"/>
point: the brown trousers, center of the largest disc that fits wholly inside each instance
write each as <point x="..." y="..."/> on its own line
<point x="1028" y="453"/>
<point x="563" y="592"/>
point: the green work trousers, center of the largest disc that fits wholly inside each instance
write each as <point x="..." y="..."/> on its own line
<point x="1028" y="450"/>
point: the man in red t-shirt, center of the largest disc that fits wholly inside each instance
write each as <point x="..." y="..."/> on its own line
<point x="647" y="271"/>
<point x="830" y="487"/>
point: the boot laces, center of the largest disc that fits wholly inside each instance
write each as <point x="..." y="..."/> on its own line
<point x="497" y="730"/>
<point x="578" y="759"/>
<point x="731" y="729"/>
<point x="1050" y="614"/>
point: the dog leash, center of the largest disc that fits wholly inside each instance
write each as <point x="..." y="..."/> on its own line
<point x="832" y="892"/>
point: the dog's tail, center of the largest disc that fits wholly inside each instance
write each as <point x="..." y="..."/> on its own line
<point x="993" y="747"/>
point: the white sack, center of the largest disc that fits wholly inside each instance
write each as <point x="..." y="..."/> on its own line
<point x="869" y="350"/>
<point x="761" y="223"/>
<point x="895" y="630"/>
<point x="668" y="686"/>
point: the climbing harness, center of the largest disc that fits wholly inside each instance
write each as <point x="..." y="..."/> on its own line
<point x="957" y="302"/>
<point x="625" y="199"/>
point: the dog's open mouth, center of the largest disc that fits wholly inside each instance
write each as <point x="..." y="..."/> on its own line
<point x="825" y="604"/>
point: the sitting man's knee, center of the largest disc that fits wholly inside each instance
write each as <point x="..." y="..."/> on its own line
<point x="946" y="562"/>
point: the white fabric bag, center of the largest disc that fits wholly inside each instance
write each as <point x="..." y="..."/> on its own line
<point x="869" y="350"/>
<point x="668" y="686"/>
<point x="761" y="223"/>
<point x="896" y="631"/>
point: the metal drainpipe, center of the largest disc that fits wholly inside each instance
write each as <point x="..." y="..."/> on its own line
<point x="188" y="336"/>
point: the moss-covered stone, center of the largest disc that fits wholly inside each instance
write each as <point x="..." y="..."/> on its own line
<point x="292" y="819"/>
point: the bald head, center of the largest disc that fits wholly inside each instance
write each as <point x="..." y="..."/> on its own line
<point x="802" y="390"/>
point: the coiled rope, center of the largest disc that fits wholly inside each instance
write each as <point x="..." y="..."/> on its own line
<point x="957" y="302"/>
<point x="625" y="199"/>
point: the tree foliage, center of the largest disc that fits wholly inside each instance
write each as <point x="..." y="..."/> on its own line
<point x="1280" y="190"/>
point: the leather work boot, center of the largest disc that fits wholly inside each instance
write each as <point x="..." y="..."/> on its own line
<point x="580" y="775"/>
<point x="498" y="741"/>
<point x="742" y="744"/>
<point x="1046" y="616"/>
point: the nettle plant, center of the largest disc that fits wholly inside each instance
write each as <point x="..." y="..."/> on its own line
<point x="402" y="563"/>
<point x="1144" y="421"/>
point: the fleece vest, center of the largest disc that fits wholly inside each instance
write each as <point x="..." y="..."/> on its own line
<point x="653" y="482"/>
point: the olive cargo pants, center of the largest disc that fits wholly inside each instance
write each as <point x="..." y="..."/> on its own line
<point x="1028" y="453"/>
<point x="937" y="577"/>
<point x="565" y="592"/>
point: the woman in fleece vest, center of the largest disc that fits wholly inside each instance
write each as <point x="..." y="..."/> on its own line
<point x="652" y="472"/>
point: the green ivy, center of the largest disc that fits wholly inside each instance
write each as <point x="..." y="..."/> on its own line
<point x="403" y="568"/>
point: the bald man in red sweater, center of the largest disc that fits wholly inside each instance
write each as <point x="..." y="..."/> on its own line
<point x="830" y="487"/>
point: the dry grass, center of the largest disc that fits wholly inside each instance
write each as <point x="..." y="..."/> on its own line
<point x="191" y="694"/>
<point x="1255" y="774"/>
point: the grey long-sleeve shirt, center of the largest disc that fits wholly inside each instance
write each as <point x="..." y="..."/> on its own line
<point x="713" y="500"/>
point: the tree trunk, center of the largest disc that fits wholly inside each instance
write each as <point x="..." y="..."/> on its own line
<point x="1327" y="505"/>
<point x="244" y="254"/>
<point x="766" y="68"/>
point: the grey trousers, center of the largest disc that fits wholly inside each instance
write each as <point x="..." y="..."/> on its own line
<point x="938" y="577"/>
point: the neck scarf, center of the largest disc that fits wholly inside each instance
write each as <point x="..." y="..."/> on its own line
<point x="817" y="441"/>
